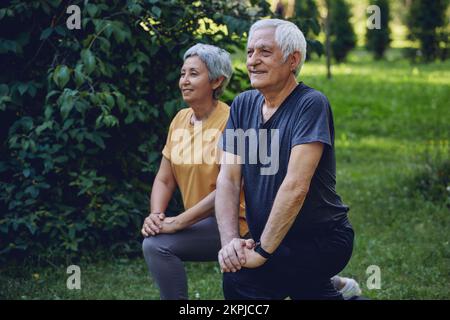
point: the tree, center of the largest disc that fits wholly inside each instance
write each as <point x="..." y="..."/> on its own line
<point x="427" y="23"/>
<point x="377" y="40"/>
<point x="306" y="16"/>
<point x="342" y="36"/>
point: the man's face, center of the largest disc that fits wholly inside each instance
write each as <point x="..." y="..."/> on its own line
<point x="265" y="61"/>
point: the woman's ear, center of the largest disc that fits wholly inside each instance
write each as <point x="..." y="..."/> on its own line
<point x="217" y="82"/>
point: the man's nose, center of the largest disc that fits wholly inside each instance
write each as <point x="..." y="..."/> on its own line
<point x="252" y="60"/>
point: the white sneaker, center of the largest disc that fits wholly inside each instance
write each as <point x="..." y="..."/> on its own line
<point x="350" y="289"/>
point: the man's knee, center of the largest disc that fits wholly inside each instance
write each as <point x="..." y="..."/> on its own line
<point x="230" y="290"/>
<point x="234" y="289"/>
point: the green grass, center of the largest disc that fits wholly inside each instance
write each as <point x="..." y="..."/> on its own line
<point x="389" y="116"/>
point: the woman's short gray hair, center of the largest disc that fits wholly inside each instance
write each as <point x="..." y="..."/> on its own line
<point x="217" y="61"/>
<point x="287" y="36"/>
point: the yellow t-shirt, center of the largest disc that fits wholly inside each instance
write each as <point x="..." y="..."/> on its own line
<point x="193" y="153"/>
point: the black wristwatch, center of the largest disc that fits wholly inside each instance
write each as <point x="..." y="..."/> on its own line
<point x="261" y="251"/>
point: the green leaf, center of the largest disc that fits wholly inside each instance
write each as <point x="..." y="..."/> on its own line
<point x="88" y="60"/>
<point x="62" y="31"/>
<point x="120" y="98"/>
<point x="42" y="127"/>
<point x="66" y="105"/>
<point x="68" y="123"/>
<point x="46" y="33"/>
<point x="48" y="112"/>
<point x="22" y="87"/>
<point x="92" y="9"/>
<point x="26" y="172"/>
<point x="79" y="76"/>
<point x="33" y="191"/>
<point x="156" y="11"/>
<point x="61" y="75"/>
<point x="109" y="99"/>
<point x="51" y="94"/>
<point x="31" y="90"/>
<point x="119" y="35"/>
<point x="98" y="141"/>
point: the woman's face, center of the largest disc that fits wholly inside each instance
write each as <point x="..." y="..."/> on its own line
<point x="194" y="81"/>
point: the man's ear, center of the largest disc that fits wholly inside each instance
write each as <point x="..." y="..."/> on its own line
<point x="216" y="83"/>
<point x="294" y="60"/>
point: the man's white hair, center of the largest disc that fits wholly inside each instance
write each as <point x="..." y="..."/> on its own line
<point x="287" y="36"/>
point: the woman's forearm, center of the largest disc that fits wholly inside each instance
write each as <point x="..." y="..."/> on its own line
<point x="200" y="211"/>
<point x="161" y="195"/>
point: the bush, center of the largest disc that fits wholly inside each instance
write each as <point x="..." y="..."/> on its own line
<point x="306" y="17"/>
<point x="342" y="36"/>
<point x="377" y="40"/>
<point x="428" y="24"/>
<point x="84" y="114"/>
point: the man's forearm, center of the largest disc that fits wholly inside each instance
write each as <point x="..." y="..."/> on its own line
<point x="285" y="209"/>
<point x="227" y="210"/>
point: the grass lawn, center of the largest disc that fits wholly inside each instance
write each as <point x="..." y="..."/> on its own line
<point x="392" y="122"/>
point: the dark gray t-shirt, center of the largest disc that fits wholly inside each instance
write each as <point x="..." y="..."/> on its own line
<point x="304" y="117"/>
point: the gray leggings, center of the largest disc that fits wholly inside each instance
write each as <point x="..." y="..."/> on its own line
<point x="165" y="253"/>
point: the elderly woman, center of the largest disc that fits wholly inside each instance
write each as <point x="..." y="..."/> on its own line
<point x="190" y="161"/>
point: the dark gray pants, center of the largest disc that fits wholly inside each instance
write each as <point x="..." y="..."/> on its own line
<point x="165" y="253"/>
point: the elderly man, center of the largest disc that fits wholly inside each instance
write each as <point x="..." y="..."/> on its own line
<point x="301" y="236"/>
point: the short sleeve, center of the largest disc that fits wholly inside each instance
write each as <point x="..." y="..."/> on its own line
<point x="313" y="123"/>
<point x="167" y="150"/>
<point x="228" y="140"/>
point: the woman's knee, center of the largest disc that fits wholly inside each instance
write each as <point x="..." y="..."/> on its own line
<point x="152" y="246"/>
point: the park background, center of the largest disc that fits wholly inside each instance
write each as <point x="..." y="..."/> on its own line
<point x="84" y="115"/>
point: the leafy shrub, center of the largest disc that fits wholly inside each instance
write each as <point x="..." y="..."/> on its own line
<point x="377" y="40"/>
<point x="428" y="24"/>
<point x="84" y="113"/>
<point x="342" y="35"/>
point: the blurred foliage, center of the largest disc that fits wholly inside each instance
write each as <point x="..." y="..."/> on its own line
<point x="428" y="23"/>
<point x="306" y="17"/>
<point x="342" y="35"/>
<point x="84" y="113"/>
<point x="377" y="40"/>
